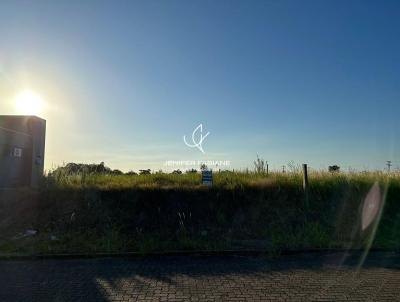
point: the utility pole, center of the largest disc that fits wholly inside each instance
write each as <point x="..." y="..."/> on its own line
<point x="388" y="164"/>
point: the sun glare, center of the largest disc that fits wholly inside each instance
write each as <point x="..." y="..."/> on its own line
<point x="28" y="102"/>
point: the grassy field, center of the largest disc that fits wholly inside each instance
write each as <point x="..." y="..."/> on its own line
<point x="224" y="179"/>
<point x="94" y="212"/>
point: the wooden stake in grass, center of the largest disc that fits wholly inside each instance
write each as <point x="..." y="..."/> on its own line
<point x="305" y="185"/>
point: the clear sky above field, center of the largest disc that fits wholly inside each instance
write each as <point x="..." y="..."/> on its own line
<point x="123" y="81"/>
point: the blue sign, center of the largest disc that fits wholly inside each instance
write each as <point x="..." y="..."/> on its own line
<point x="207" y="177"/>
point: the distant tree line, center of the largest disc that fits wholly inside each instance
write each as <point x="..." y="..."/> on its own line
<point x="260" y="166"/>
<point x="73" y="168"/>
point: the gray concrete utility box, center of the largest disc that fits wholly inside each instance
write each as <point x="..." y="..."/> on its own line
<point x="22" y="142"/>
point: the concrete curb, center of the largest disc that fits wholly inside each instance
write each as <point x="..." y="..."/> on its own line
<point x="185" y="253"/>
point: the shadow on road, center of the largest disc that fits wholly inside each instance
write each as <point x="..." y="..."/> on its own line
<point x="108" y="278"/>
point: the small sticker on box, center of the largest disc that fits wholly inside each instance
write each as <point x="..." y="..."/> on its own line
<point x="17" y="152"/>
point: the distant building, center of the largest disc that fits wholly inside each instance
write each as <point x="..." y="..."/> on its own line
<point x="22" y="143"/>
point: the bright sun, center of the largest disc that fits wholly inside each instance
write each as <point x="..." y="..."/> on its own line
<point x="28" y="102"/>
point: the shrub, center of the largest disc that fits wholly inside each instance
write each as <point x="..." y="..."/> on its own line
<point x="334" y="168"/>
<point x="145" y="172"/>
<point x="260" y="165"/>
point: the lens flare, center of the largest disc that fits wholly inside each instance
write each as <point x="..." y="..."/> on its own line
<point x="371" y="206"/>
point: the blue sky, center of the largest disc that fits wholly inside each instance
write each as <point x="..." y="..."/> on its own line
<point x="314" y="82"/>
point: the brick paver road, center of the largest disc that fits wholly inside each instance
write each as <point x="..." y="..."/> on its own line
<point x="311" y="277"/>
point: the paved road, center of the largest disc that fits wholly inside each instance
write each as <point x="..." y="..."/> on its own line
<point x="328" y="277"/>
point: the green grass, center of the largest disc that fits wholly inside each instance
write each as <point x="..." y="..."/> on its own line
<point x="161" y="212"/>
<point x="225" y="179"/>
